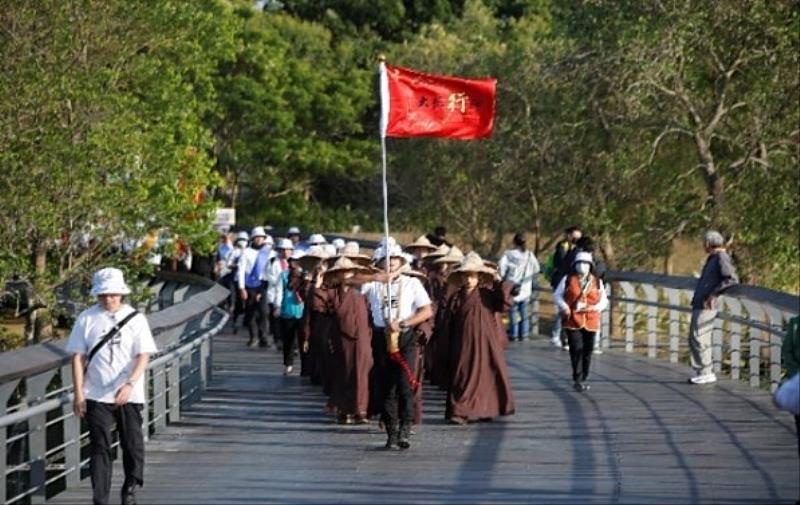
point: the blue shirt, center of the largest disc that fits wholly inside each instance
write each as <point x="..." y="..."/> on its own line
<point x="291" y="306"/>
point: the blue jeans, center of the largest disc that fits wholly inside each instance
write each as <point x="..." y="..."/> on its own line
<point x="556" y="334"/>
<point x="518" y="321"/>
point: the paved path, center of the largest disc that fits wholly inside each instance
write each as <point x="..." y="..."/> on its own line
<point x="641" y="435"/>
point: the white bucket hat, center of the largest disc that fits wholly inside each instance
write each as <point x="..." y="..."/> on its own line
<point x="583" y="257"/>
<point x="294" y="230"/>
<point x="296" y="255"/>
<point x="258" y="231"/>
<point x="242" y="235"/>
<point x="316" y="239"/>
<point x="268" y="240"/>
<point x="284" y="243"/>
<point x="109" y="281"/>
<point x="394" y="251"/>
<point x="338" y="243"/>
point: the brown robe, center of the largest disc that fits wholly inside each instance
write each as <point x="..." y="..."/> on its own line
<point x="479" y="381"/>
<point x="352" y="352"/>
<point x="316" y="330"/>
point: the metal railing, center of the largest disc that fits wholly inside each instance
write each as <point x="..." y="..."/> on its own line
<point x="650" y="314"/>
<point x="44" y="447"/>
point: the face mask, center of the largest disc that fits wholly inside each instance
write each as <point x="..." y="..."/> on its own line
<point x="582" y="268"/>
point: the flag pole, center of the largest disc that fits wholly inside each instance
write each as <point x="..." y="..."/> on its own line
<point x="384" y="94"/>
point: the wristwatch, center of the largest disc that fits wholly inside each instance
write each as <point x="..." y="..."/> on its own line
<point x="403" y="325"/>
<point x="130" y="382"/>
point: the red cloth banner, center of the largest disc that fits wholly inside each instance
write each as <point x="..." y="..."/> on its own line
<point x="424" y="105"/>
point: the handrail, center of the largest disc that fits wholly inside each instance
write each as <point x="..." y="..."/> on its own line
<point x="40" y="438"/>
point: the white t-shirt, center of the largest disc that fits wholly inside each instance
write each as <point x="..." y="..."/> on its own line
<point x="412" y="297"/>
<point x="113" y="364"/>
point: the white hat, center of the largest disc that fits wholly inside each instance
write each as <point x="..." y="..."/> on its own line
<point x="258" y="231"/>
<point x="394" y="251"/>
<point x="330" y="249"/>
<point x="268" y="240"/>
<point x="109" y="281"/>
<point x="338" y="243"/>
<point x="284" y="243"/>
<point x="583" y="257"/>
<point x="242" y="235"/>
<point x="316" y="239"/>
<point x="294" y="230"/>
<point x="296" y="255"/>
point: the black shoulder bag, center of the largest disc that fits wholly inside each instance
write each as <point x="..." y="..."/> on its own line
<point x="107" y="337"/>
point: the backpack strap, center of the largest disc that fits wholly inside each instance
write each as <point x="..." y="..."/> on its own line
<point x="108" y="336"/>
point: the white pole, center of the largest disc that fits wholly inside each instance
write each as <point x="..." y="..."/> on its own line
<point x="384" y="92"/>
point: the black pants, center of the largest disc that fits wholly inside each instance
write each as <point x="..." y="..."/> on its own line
<point x="101" y="417"/>
<point x="274" y="326"/>
<point x="290" y="333"/>
<point x="256" y="315"/>
<point x="398" y="404"/>
<point x="581" y="345"/>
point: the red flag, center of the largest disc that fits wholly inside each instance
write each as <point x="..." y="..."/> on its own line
<point x="424" y="105"/>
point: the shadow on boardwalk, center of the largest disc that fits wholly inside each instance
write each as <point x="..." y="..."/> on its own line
<point x="641" y="435"/>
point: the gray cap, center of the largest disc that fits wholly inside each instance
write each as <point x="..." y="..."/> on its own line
<point x="713" y="238"/>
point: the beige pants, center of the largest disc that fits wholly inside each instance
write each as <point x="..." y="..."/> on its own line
<point x="700" y="340"/>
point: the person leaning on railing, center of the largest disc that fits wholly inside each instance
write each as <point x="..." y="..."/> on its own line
<point x="718" y="274"/>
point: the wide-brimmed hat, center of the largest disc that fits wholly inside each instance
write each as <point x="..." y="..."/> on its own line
<point x="440" y="251"/>
<point x="313" y="256"/>
<point x="583" y="257"/>
<point x="454" y="255"/>
<point x="472" y="263"/>
<point x="338" y="243"/>
<point x="284" y="243"/>
<point x="490" y="264"/>
<point x="109" y="281"/>
<point x="297" y="255"/>
<point x="316" y="239"/>
<point x="258" y="231"/>
<point x="345" y="264"/>
<point x="351" y="251"/>
<point x="242" y="235"/>
<point x="422" y="242"/>
<point x="407" y="270"/>
<point x="393" y="251"/>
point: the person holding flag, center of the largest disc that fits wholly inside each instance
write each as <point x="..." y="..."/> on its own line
<point x="397" y="307"/>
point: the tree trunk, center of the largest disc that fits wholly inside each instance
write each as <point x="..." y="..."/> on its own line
<point x="712" y="178"/>
<point x="607" y="248"/>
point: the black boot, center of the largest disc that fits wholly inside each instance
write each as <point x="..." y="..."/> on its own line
<point x="391" y="434"/>
<point x="404" y="438"/>
<point x="129" y="494"/>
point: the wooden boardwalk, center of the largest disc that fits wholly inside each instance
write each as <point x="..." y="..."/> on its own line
<point x="641" y="435"/>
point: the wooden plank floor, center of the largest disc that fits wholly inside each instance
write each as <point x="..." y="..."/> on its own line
<point x="641" y="435"/>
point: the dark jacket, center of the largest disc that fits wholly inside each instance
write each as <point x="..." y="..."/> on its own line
<point x="790" y="351"/>
<point x="718" y="275"/>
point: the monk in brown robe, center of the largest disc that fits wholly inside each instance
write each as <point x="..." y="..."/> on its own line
<point x="479" y="383"/>
<point x="442" y="295"/>
<point x="350" y="341"/>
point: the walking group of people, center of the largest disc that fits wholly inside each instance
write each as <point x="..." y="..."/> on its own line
<point x="370" y="330"/>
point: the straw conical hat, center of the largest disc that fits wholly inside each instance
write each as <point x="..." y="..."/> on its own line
<point x="454" y="255"/>
<point x="344" y="264"/>
<point x="422" y="242"/>
<point x="312" y="257"/>
<point x="352" y="252"/>
<point x="407" y="270"/>
<point x="472" y="263"/>
<point x="440" y="251"/>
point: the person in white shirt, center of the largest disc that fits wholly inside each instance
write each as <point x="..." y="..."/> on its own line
<point x="111" y="346"/>
<point x="395" y="369"/>
<point x="519" y="267"/>
<point x="230" y="276"/>
<point x="252" y="288"/>
<point x="278" y="264"/>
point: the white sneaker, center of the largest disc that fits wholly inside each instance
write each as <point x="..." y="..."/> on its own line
<point x="288" y="370"/>
<point x="597" y="350"/>
<point x="704" y="379"/>
<point x="565" y="347"/>
<point x="555" y="342"/>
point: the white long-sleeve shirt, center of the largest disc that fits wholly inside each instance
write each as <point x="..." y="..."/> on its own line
<point x="558" y="297"/>
<point x="273" y="277"/>
<point x="519" y="267"/>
